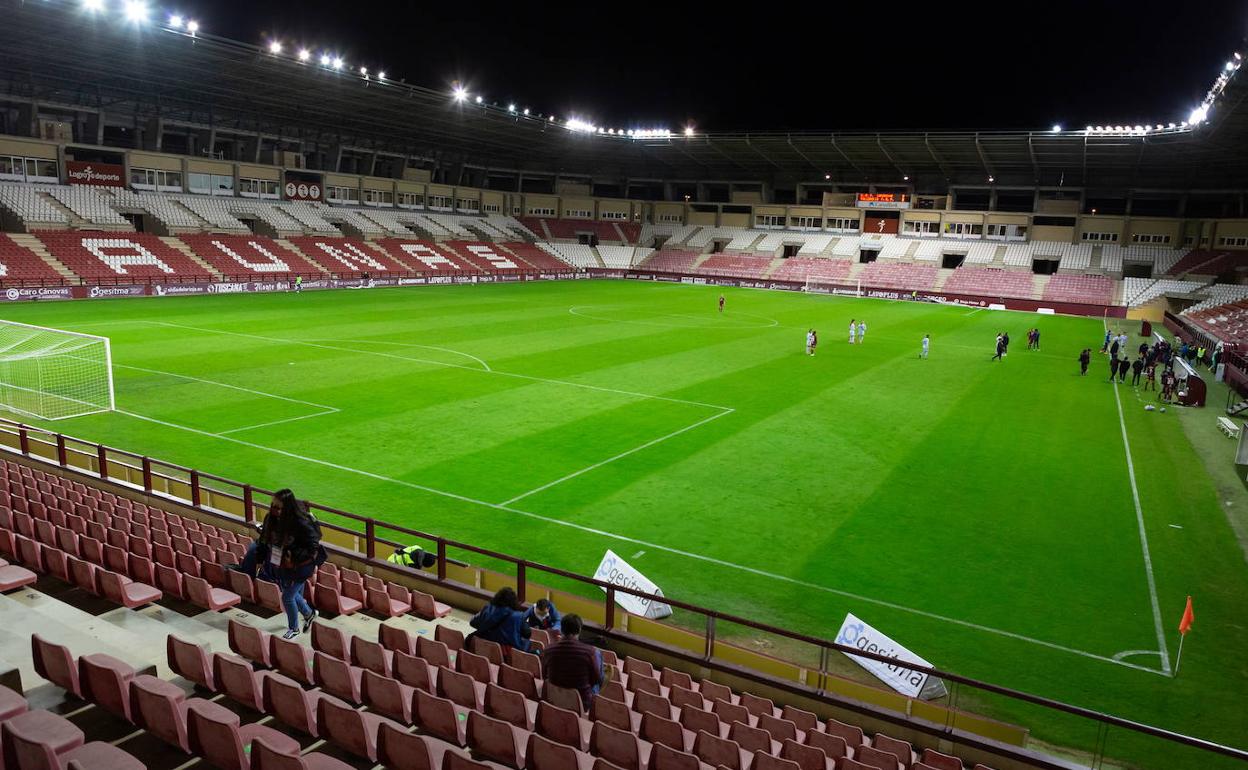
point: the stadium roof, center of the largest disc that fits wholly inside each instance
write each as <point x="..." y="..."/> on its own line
<point x="68" y="60"/>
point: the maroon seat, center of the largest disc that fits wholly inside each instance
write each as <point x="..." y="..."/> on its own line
<point x="453" y="760"/>
<point x="758" y="706"/>
<point x="115" y="559"/>
<point x="291" y="658"/>
<point x="664" y="757"/>
<point x="750" y="739"/>
<point x="713" y="691"/>
<point x="645" y="702"/>
<point x="495" y="740"/>
<point x="806" y="757"/>
<point x="717" y="751"/>
<point x="562" y="726"/>
<point x="351" y="730"/>
<point x="935" y="759"/>
<point x="331" y="641"/>
<point x="475" y="666"/>
<point x="437" y="653"/>
<point x="619" y="747"/>
<point x="141" y="568"/>
<point x="805" y="720"/>
<point x="214" y="734"/>
<point x="169" y="580"/>
<point x="160" y="708"/>
<point x="614" y="714"/>
<point x="291" y="704"/>
<point x="327" y="599"/>
<point x="851" y="733"/>
<point x="266" y="757"/>
<point x="42" y="729"/>
<point x="638" y="666"/>
<point x="764" y="761"/>
<point x="544" y="754"/>
<point x="11" y="704"/>
<point x="834" y="746"/>
<point x="371" y="655"/>
<point x="414" y="672"/>
<point x="878" y="758"/>
<point x="337" y="677"/>
<point x="461" y="688"/>
<point x="106" y="683"/>
<point x="779" y="729"/>
<point x="124" y="591"/>
<point x="564" y="698"/>
<point x="522" y="682"/>
<point x="235" y="677"/>
<point x="30" y="753"/>
<point x="425" y="606"/>
<point x="189" y="661"/>
<point x="491" y="651"/>
<point x="390" y="601"/>
<point x="657" y="729"/>
<point x="440" y="717"/>
<point x="398" y="749"/>
<point x="200" y="593"/>
<point x="901" y="749"/>
<point x="730" y="712"/>
<point x="13" y="577"/>
<point x="509" y="706"/>
<point x="240" y="584"/>
<point x="30" y="553"/>
<point x="55" y="663"/>
<point x="386" y="696"/>
<point x="396" y="639"/>
<point x="845" y="763"/>
<point x="268" y="595"/>
<point x="451" y="637"/>
<point x="249" y="642"/>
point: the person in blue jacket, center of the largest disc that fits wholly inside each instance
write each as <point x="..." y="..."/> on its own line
<point x="502" y="621"/>
<point x="544" y="615"/>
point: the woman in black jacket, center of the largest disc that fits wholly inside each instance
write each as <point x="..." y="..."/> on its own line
<point x="294" y="540"/>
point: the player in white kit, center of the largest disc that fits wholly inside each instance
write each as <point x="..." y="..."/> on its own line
<point x="853" y="331"/>
<point x="927" y="338"/>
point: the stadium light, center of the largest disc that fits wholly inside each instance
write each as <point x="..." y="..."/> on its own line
<point x="827" y="176"/>
<point x="461" y="94"/>
<point x="135" y="11"/>
<point x="175" y="21"/>
<point x="526" y="111"/>
<point x="325" y="60"/>
<point x="337" y="62"/>
<point x="1057" y="128"/>
<point x="576" y="124"/>
<point x="991" y="179"/>
<point x="511" y="108"/>
<point x="906" y="178"/>
<point x="304" y="54"/>
<point x="364" y="71"/>
<point x="381" y="74"/>
<point x="275" y="47"/>
<point x="1198" y="115"/>
<point x="92" y="5"/>
<point x="479" y="99"/>
<point x="688" y="130"/>
<point x="192" y="26"/>
<point x="1230" y="66"/>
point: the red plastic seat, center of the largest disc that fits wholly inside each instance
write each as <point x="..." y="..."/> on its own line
<point x="437" y="653"/>
<point x="398" y="749"/>
<point x="391" y="600"/>
<point x="291" y="704"/>
<point x="562" y="726"/>
<point x="509" y="706"/>
<point x="414" y="672"/>
<point x="57" y="562"/>
<point x="564" y="698"/>
<point x="620" y="747"/>
<point x="291" y="658"/>
<point x="938" y="761"/>
<point x="544" y="754"/>
<point x="106" y="683"/>
<point x="522" y="682"/>
<point x="240" y="584"/>
<point x="351" y="730"/>
<point x="329" y="600"/>
<point x="656" y="729"/>
<point x="451" y="637"/>
<point x="833" y="746"/>
<point x="475" y="666"/>
<point x="806" y="757"/>
<point x="904" y="752"/>
<point x="55" y="663"/>
<point x="249" y="642"/>
<point x="141" y="569"/>
<point x="189" y="661"/>
<point x="30" y="553"/>
<point x="495" y="740"/>
<point x="169" y="580"/>
<point x="124" y="591"/>
<point x="371" y="655"/>
<point x="266" y="757"/>
<point x="235" y="677"/>
<point x="851" y="733"/>
<point x="331" y="641"/>
<point x="440" y="717"/>
<point x="337" y="677"/>
<point x="779" y="729"/>
<point x="11" y="704"/>
<point x="396" y="639"/>
<point x="764" y="761"/>
<point x="386" y="696"/>
<point x="214" y="734"/>
<point x="664" y="757"/>
<point x="461" y="688"/>
<point x="26" y="748"/>
<point x="614" y="714"/>
<point x="425" y="606"/>
<point x="268" y="595"/>
<point x="716" y="751"/>
<point x="878" y="758"/>
<point x="200" y="593"/>
<point x="160" y="708"/>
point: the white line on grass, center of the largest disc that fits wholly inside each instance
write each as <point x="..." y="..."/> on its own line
<point x="1148" y="558"/>
<point x="648" y="544"/>
<point x="484" y="365"/>
<point x="227" y="385"/>
<point x="620" y="456"/>
<point x="278" y="422"/>
<point x="514" y="375"/>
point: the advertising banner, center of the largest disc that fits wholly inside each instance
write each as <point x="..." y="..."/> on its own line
<point x="615" y="570"/>
<point x="97" y="174"/>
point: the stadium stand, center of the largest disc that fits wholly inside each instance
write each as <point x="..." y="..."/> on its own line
<point x="814" y="269"/>
<point x="483" y="256"/>
<point x="1219" y="294"/>
<point x="30" y="208"/>
<point x="103" y="255"/>
<point x="89" y="205"/>
<point x="622" y="256"/>
<point x="423" y="256"/>
<point x="991" y="282"/>
<point x="571" y="229"/>
<point x="1141" y="291"/>
<point x="1070" y="287"/>
<point x="1194" y="261"/>
<point x="737" y="266"/>
<point x="347" y="255"/>
<point x="19" y="264"/>
<point x="534" y="255"/>
<point x="671" y="260"/>
<point x="893" y="275"/>
<point x="373" y="689"/>
<point x="248" y="255"/>
<point x="574" y="254"/>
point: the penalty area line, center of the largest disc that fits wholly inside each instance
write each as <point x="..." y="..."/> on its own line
<point x="655" y="546"/>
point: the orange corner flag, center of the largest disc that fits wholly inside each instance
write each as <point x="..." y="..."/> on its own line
<point x="1185" y="624"/>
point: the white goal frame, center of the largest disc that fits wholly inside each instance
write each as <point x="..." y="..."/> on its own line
<point x="41" y="403"/>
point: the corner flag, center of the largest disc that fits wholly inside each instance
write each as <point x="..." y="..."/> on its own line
<point x="1185" y="625"/>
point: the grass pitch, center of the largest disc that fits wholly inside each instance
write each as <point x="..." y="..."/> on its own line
<point x="981" y="513"/>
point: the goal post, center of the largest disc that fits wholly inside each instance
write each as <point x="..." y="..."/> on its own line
<point x="52" y="374"/>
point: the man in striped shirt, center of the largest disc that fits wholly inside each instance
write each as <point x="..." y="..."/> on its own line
<point x="574" y="664"/>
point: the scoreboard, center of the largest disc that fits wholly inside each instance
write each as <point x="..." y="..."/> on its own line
<point x="883" y="201"/>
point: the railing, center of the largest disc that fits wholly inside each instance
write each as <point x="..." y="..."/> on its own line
<point x="217" y="496"/>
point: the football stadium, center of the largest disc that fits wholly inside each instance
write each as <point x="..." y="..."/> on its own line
<point x="347" y="422"/>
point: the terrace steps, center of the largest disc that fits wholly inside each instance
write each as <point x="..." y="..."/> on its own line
<point x="776" y="262"/>
<point x="175" y="243"/>
<point x="75" y="222"/>
<point x="1039" y="283"/>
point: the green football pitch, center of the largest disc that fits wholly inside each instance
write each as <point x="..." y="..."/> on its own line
<point x="1010" y="520"/>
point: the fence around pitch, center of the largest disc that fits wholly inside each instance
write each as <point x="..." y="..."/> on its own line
<point x="361" y="537"/>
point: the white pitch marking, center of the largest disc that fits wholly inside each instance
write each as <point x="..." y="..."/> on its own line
<point x="1148" y="558"/>
<point x="647" y="544"/>
<point x="638" y="555"/>
<point x="484" y="365"/>
<point x="278" y="422"/>
<point x="1176" y="526"/>
<point x="1129" y="653"/>
<point x="227" y="385"/>
<point x="515" y="375"/>
<point x="620" y="456"/>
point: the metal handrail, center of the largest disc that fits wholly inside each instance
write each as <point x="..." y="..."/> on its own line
<point x="370" y="539"/>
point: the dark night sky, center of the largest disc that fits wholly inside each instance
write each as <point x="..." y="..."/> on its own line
<point x="866" y="65"/>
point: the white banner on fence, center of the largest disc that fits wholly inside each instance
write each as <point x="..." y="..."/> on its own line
<point x="915" y="684"/>
<point x="615" y="570"/>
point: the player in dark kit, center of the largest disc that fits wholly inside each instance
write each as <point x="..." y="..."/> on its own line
<point x="721" y="303"/>
<point x="1084" y="359"/>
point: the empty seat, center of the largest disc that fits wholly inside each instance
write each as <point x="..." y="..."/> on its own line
<point x="11" y="704"/>
<point x="106" y="683"/>
<point x="657" y="729"/>
<point x="694" y="720"/>
<point x="398" y="749"/>
<point x="291" y="704"/>
<point x="878" y="758"/>
<point x="395" y="639"/>
<point x="615" y="714"/>
<point x="544" y="754"/>
<point x="126" y="592"/>
<point x="495" y="740"/>
<point x="38" y="728"/>
<point x="451" y="637"/>
<point x="414" y="672"/>
<point x="351" y="730"/>
<point x="371" y="655"/>
<point x="249" y="642"/>
<point x="27" y="747"/>
<point x="716" y="751"/>
<point x="266" y="757"/>
<point x="337" y="677"/>
<point x="440" y="717"/>
<point x="901" y="749"/>
<point x="427" y="607"/>
<point x="291" y="658"/>
<point x="391" y="600"/>
<point x="55" y="663"/>
<point x="200" y="593"/>
<point x="214" y="733"/>
<point x="522" y="682"/>
<point x="834" y="746"/>
<point x="562" y="726"/>
<point x="189" y="661"/>
<point x="935" y="759"/>
<point x="765" y="761"/>
<point x="437" y="653"/>
<point x="331" y="641"/>
<point x="327" y="599"/>
<point x="461" y="688"/>
<point x="663" y="757"/>
<point x="160" y="708"/>
<point x="386" y="696"/>
<point x="236" y="678"/>
<point x="509" y="706"/>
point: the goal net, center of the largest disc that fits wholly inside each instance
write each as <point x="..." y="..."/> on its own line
<point x="52" y="374"/>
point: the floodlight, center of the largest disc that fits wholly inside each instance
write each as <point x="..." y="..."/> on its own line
<point x="688" y="130"/>
<point x="479" y="99"/>
<point x="512" y="108"/>
<point x="460" y="93"/>
<point x="526" y="110"/>
<point x="135" y="11"/>
<point x="92" y="5"/>
<point x="1057" y="128"/>
<point x="364" y="71"/>
<point x="381" y="75"/>
<point x="275" y="47"/>
<point x="192" y="26"/>
<point x="325" y="60"/>
<point x="338" y="62"/>
<point x="175" y="21"/>
<point x="304" y="54"/>
<point x="1198" y="114"/>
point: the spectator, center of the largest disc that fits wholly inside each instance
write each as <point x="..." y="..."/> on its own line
<point x="502" y="621"/>
<point x="295" y="551"/>
<point x="412" y="556"/>
<point x="1136" y="367"/>
<point x="544" y="615"/>
<point x="1084" y="359"/>
<point x="255" y="562"/>
<point x="574" y="664"/>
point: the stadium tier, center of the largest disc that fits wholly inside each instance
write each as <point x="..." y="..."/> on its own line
<point x="249" y="255"/>
<point x="991" y="283"/>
